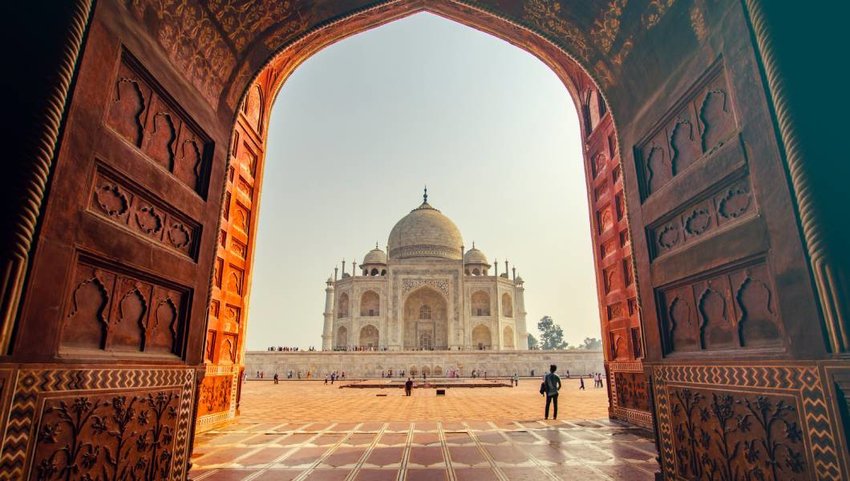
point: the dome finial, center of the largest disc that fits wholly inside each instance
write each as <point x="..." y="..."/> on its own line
<point x="376" y="244"/>
<point x="473" y="244"/>
<point x="425" y="196"/>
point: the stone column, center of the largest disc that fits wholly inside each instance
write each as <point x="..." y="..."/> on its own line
<point x="327" y="331"/>
<point x="521" y="331"/>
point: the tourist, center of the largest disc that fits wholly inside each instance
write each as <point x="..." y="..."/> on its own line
<point x="515" y="380"/>
<point x="581" y="383"/>
<point x="326" y="379"/>
<point x="552" y="386"/>
<point x="276" y="378"/>
<point x="601" y="380"/>
<point x="408" y="387"/>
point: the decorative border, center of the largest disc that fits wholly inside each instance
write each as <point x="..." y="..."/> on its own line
<point x="827" y="281"/>
<point x="802" y="381"/>
<point x="34" y="179"/>
<point x="633" y="416"/>
<point x="210" y="421"/>
<point x="32" y="384"/>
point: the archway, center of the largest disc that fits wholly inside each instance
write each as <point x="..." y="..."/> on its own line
<point x="481" y="337"/>
<point x="508" y="337"/>
<point x="342" y="338"/>
<point x="716" y="190"/>
<point x="480" y="304"/>
<point x="507" y="305"/>
<point x="425" y="320"/>
<point x="369" y="337"/>
<point x="370" y="304"/>
<point x="343" y="309"/>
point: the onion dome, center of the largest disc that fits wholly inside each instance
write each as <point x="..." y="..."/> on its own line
<point x="475" y="256"/>
<point x="374" y="256"/>
<point x="425" y="232"/>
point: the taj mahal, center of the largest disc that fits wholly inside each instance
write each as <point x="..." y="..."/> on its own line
<point x="424" y="294"/>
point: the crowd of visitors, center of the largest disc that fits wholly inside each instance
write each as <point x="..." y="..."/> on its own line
<point x="289" y="349"/>
<point x="358" y="348"/>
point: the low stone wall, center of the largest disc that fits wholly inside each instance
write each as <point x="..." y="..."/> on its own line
<point x="437" y="363"/>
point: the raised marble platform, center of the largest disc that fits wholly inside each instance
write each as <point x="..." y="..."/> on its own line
<point x="437" y="363"/>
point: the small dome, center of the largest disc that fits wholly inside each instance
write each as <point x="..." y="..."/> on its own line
<point x="475" y="256"/>
<point x="425" y="232"/>
<point x="375" y="256"/>
<point x="519" y="280"/>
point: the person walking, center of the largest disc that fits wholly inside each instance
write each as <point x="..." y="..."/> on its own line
<point x="515" y="380"/>
<point x="552" y="384"/>
<point x="581" y="383"/>
<point x="408" y="387"/>
<point x="276" y="378"/>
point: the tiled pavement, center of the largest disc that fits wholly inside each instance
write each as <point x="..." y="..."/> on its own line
<point x="429" y="448"/>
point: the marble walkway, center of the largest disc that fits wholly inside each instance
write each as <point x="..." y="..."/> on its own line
<point x="420" y="444"/>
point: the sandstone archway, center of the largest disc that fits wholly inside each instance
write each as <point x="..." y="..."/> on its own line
<point x="706" y="166"/>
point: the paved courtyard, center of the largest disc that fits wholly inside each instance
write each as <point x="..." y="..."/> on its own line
<point x="299" y="430"/>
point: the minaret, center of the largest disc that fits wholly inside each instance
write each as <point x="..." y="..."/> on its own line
<point x="519" y="315"/>
<point x="327" y="331"/>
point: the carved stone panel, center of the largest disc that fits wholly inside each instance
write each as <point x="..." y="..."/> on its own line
<point x="107" y="436"/>
<point x="726" y="204"/>
<point x="699" y="124"/>
<point x="727" y="311"/>
<point x="631" y="390"/>
<point x="214" y="395"/>
<point x="92" y="424"/>
<point x="111" y="310"/>
<point x="144" y="114"/>
<point x="768" y="422"/>
<point x="131" y="208"/>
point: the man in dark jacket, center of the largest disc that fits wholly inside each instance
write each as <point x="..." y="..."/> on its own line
<point x="553" y="385"/>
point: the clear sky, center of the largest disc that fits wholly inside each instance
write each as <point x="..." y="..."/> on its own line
<point x="364" y="124"/>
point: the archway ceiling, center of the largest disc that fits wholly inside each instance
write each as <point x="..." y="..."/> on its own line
<point x="224" y="43"/>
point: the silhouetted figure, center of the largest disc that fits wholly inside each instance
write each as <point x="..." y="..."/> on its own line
<point x="553" y="385"/>
<point x="581" y="383"/>
<point x="276" y="378"/>
<point x="408" y="387"/>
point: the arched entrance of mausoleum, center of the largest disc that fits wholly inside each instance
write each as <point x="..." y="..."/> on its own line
<point x="133" y="211"/>
<point x="426" y="323"/>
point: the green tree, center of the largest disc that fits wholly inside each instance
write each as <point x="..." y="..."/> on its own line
<point x="532" y="342"/>
<point x="592" y="343"/>
<point x="551" y="334"/>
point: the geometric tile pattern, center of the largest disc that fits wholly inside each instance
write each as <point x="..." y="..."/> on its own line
<point x="429" y="450"/>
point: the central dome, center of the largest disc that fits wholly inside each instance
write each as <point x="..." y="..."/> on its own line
<point x="425" y="232"/>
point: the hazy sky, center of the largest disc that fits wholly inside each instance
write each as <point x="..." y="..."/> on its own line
<point x="361" y="126"/>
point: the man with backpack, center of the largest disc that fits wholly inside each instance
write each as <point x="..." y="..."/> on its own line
<point x="550" y="387"/>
